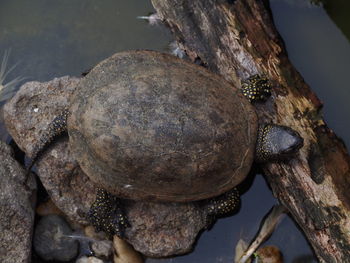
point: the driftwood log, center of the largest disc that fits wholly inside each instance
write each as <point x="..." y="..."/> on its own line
<point x="237" y="39"/>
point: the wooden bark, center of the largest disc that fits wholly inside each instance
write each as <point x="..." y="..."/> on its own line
<point x="237" y="39"/>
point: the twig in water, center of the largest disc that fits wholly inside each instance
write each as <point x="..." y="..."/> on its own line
<point x="6" y="90"/>
<point x="152" y="19"/>
<point x="269" y="223"/>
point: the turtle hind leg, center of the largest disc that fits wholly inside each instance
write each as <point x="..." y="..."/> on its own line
<point x="106" y="214"/>
<point x="57" y="128"/>
<point x="222" y="205"/>
<point x="256" y="88"/>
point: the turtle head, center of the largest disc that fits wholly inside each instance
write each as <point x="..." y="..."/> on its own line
<point x="276" y="143"/>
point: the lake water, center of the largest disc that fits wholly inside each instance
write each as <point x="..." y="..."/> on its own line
<point x="54" y="38"/>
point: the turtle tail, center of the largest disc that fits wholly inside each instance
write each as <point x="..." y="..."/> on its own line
<point x="57" y="128"/>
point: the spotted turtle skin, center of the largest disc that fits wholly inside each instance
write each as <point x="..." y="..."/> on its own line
<point x="256" y="88"/>
<point x="107" y="214"/>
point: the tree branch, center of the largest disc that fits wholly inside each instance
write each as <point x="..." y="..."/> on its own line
<point x="237" y="39"/>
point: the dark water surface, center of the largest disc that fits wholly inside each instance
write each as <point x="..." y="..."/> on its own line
<point x="338" y="10"/>
<point x="55" y="38"/>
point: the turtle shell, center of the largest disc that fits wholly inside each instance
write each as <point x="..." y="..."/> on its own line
<point x="148" y="125"/>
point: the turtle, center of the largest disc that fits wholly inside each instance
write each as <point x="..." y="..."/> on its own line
<point x="146" y="125"/>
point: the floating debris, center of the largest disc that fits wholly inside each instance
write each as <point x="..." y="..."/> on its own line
<point x="269" y="223"/>
<point x="153" y="19"/>
<point x="7" y="90"/>
<point x="125" y="253"/>
<point x="270" y="254"/>
<point x="176" y="50"/>
<point x="240" y="249"/>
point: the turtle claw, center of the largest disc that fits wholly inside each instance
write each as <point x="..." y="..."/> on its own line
<point x="106" y="214"/>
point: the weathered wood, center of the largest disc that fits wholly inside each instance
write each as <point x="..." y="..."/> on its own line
<point x="237" y="39"/>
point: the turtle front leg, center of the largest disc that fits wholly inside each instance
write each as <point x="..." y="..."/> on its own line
<point x="256" y="88"/>
<point x="222" y="205"/>
<point x="106" y="214"/>
<point x="56" y="128"/>
<point x="274" y="142"/>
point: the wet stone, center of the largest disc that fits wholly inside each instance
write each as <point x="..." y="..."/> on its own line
<point x="26" y="116"/>
<point x="52" y="241"/>
<point x="103" y="248"/>
<point x="16" y="209"/>
<point x="48" y="208"/>
<point x="269" y="254"/>
<point x="89" y="260"/>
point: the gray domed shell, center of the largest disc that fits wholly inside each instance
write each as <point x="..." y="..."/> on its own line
<point x="147" y="125"/>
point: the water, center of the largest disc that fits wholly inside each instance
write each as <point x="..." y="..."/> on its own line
<point x="338" y="10"/>
<point x="55" y="38"/>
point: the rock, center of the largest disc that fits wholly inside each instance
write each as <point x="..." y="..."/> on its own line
<point x="3" y="132"/>
<point x="90" y="232"/>
<point x="89" y="260"/>
<point x="48" y="208"/>
<point x="163" y="229"/>
<point x="26" y="115"/>
<point x="103" y="248"/>
<point x="51" y="241"/>
<point x="16" y="209"/>
<point x="269" y="254"/>
<point x="158" y="229"/>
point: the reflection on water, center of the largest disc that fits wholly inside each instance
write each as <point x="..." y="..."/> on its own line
<point x="55" y="38"/>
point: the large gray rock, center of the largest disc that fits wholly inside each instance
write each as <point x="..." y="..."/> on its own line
<point x="163" y="229"/>
<point x="26" y="116"/>
<point x="157" y="229"/>
<point x="52" y="239"/>
<point x="17" y="202"/>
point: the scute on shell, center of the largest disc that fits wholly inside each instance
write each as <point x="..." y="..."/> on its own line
<point x="147" y="125"/>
